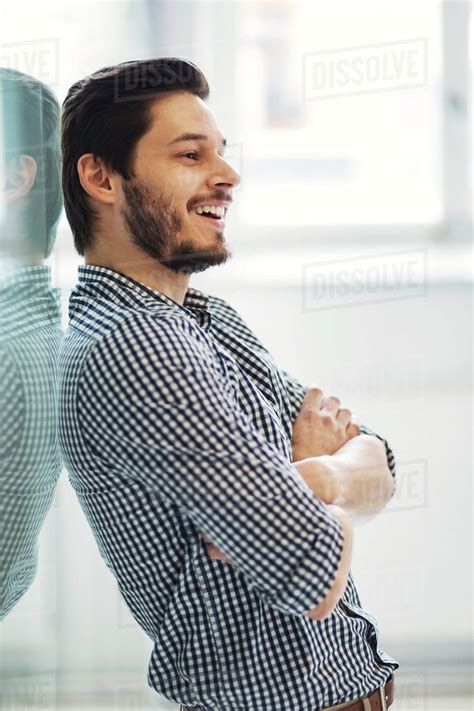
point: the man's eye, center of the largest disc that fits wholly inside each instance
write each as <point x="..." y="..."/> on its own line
<point x="190" y="153"/>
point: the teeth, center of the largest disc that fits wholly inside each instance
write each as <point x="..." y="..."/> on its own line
<point x="218" y="210"/>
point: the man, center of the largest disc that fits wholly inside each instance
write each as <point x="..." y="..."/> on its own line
<point x="30" y="324"/>
<point x="177" y="427"/>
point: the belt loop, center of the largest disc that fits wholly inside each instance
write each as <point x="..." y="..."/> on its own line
<point x="366" y="704"/>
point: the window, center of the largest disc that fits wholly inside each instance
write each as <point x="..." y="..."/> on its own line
<point x="348" y="159"/>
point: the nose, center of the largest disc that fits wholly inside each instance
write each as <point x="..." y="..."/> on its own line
<point x="224" y="175"/>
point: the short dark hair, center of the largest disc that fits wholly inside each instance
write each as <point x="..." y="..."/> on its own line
<point x="106" y="114"/>
<point x="30" y="119"/>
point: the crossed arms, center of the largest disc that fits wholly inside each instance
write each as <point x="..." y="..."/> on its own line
<point x="346" y="469"/>
<point x="156" y="410"/>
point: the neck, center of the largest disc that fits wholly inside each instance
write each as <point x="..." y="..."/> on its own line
<point x="145" y="270"/>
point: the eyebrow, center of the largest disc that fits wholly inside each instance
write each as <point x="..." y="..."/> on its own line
<point x="193" y="137"/>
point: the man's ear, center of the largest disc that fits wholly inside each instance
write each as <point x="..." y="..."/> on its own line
<point x="99" y="181"/>
<point x="20" y="178"/>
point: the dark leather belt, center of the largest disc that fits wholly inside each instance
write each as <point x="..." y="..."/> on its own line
<point x="378" y="700"/>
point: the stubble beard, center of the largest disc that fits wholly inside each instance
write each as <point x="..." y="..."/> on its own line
<point x="154" y="226"/>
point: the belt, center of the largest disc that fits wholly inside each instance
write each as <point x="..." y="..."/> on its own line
<point x="378" y="700"/>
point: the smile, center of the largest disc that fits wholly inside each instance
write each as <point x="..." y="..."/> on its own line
<point x="211" y="210"/>
<point x="213" y="214"/>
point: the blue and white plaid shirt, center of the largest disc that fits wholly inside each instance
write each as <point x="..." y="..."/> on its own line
<point x="175" y="421"/>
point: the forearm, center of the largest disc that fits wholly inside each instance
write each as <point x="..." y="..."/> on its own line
<point x="356" y="477"/>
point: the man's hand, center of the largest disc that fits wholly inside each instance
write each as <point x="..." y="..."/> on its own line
<point x="321" y="427"/>
<point x="356" y="477"/>
<point x="213" y="551"/>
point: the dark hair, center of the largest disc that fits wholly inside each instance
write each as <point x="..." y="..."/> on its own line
<point x="30" y="117"/>
<point x="106" y="114"/>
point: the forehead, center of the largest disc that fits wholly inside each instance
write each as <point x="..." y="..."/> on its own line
<point x="181" y="113"/>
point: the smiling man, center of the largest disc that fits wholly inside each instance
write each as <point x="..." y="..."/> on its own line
<point x="220" y="490"/>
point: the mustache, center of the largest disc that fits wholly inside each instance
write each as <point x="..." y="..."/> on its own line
<point x="218" y="195"/>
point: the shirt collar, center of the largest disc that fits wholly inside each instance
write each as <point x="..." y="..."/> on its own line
<point x="31" y="277"/>
<point x="195" y="302"/>
<point x="28" y="302"/>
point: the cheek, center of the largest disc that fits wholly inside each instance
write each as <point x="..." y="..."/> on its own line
<point x="178" y="184"/>
<point x="165" y="180"/>
<point x="184" y="185"/>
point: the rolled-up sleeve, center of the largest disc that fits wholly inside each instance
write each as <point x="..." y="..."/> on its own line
<point x="158" y="409"/>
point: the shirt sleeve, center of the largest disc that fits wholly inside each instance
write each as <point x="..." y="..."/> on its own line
<point x="26" y="484"/>
<point x="157" y="408"/>
<point x="295" y="391"/>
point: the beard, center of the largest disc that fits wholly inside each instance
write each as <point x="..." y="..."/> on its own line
<point x="154" y="227"/>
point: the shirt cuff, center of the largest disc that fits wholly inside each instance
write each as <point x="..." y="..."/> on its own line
<point x="315" y="575"/>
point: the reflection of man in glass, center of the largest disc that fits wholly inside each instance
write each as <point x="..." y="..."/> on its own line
<point x="218" y="490"/>
<point x="30" y="330"/>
